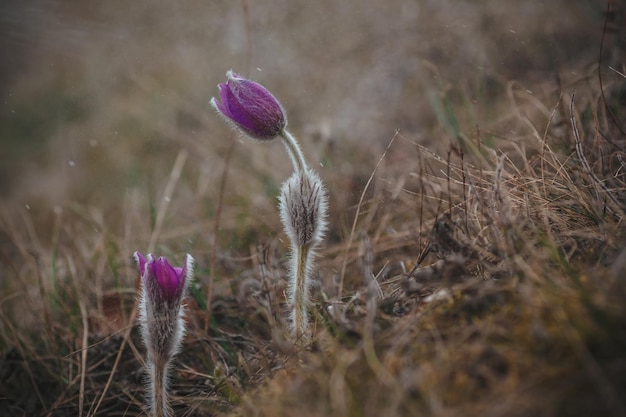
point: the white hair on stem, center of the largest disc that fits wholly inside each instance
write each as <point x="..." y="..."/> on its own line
<point x="303" y="212"/>
<point x="162" y="329"/>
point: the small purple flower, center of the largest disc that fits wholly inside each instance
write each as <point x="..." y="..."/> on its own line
<point x="250" y="107"/>
<point x="161" y="319"/>
<point x="163" y="282"/>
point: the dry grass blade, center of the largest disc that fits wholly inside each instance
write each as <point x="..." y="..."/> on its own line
<point x="85" y="339"/>
<point x="615" y="208"/>
<point x="216" y="228"/>
<point x="177" y="168"/>
<point x="356" y="215"/>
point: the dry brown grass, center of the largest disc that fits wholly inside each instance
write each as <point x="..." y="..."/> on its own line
<point x="541" y="333"/>
<point x="518" y="310"/>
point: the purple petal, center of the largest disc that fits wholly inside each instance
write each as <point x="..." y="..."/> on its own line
<point x="230" y="108"/>
<point x="147" y="275"/>
<point x="181" y="279"/>
<point x="223" y="100"/>
<point x="167" y="278"/>
<point x="141" y="262"/>
<point x="251" y="107"/>
<point x="242" y="115"/>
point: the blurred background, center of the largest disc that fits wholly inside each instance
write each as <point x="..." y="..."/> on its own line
<point x="98" y="99"/>
<point x="108" y="145"/>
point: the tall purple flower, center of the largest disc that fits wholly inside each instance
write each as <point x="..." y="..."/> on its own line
<point x="161" y="313"/>
<point x="250" y="107"/>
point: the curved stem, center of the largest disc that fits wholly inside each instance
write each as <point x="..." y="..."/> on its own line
<point x="295" y="153"/>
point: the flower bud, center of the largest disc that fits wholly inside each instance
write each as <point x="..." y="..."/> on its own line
<point x="303" y="208"/>
<point x="162" y="281"/>
<point x="163" y="289"/>
<point x="249" y="107"/>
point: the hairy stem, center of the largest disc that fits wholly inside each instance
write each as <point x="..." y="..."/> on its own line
<point x="300" y="289"/>
<point x="159" y="400"/>
<point x="294" y="151"/>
